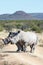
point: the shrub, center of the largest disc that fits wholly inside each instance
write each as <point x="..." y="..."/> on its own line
<point x="36" y="28"/>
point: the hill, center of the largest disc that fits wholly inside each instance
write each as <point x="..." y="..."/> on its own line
<point x="21" y="15"/>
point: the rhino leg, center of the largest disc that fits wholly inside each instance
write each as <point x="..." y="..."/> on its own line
<point x="20" y="48"/>
<point x="32" y="48"/>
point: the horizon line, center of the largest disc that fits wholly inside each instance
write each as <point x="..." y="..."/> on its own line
<point x="21" y="11"/>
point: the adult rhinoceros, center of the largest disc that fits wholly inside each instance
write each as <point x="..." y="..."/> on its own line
<point x="28" y="38"/>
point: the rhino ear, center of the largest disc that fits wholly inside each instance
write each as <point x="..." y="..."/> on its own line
<point x="18" y="31"/>
<point x="10" y="32"/>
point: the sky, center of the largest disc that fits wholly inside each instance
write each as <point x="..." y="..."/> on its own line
<point x="29" y="6"/>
